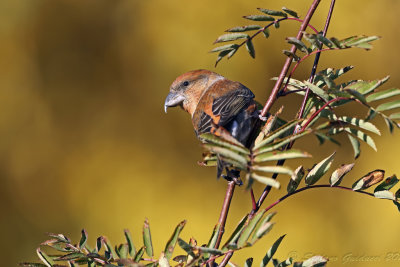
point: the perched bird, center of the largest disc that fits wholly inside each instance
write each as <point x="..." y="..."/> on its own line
<point x="212" y="100"/>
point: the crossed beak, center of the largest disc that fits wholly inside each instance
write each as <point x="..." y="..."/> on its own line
<point x="173" y="99"/>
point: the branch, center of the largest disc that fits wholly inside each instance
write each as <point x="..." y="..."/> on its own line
<point x="286" y="66"/>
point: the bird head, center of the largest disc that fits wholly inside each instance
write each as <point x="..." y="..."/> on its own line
<point x="188" y="88"/>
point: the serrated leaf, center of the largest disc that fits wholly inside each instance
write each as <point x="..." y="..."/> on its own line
<point x="227" y="47"/>
<point x="231" y="37"/>
<point x="248" y="262"/>
<point x="319" y="170"/>
<point x="212" y="251"/>
<point x="226" y="153"/>
<point x="271" y="252"/>
<point x="353" y="121"/>
<point x="388" y="105"/>
<point x="338" y="174"/>
<point x="259" y="18"/>
<point x="383" y="94"/>
<point x="290" y="12"/>
<point x="387" y="184"/>
<point x="355" y="144"/>
<point x="131" y="246"/>
<point x="211" y="138"/>
<point x="186" y="247"/>
<point x="357" y="95"/>
<point x="283" y="130"/>
<point x="318" y="91"/>
<point x="147" y="238"/>
<point x="139" y="254"/>
<point x="273" y="12"/>
<point x="385" y="194"/>
<point x="169" y="248"/>
<point x="366" y="87"/>
<point x="280" y="155"/>
<point x="83" y="240"/>
<point x="266" y="32"/>
<point x="281" y="143"/>
<point x="295" y="179"/>
<point x="291" y="55"/>
<point x="244" y="236"/>
<point x="265" y="180"/>
<point x="44" y="258"/>
<point x="236" y="233"/>
<point x="273" y="169"/>
<point x="250" y="48"/>
<point x="244" y="28"/>
<point x="313" y="261"/>
<point x="362" y="136"/>
<point x="368" y="180"/>
<point x="299" y="44"/>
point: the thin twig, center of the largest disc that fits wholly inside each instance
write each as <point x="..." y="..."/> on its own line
<point x="311" y="187"/>
<point x="226" y="259"/>
<point x="272" y="98"/>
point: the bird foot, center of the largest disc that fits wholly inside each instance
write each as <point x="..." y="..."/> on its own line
<point x="263" y="118"/>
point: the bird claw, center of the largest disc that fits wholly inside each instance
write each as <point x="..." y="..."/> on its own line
<point x="263" y="118"/>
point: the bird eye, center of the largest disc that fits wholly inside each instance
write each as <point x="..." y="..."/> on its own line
<point x="185" y="83"/>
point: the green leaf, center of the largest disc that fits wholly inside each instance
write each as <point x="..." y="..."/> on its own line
<point x="227" y="48"/>
<point x="313" y="261"/>
<point x="353" y="121"/>
<point x="284" y="130"/>
<point x="389" y="124"/>
<point x="242" y="241"/>
<point x="226" y="153"/>
<point x="122" y="251"/>
<point x="186" y="247"/>
<point x="385" y="194"/>
<point x="312" y="39"/>
<point x="276" y="24"/>
<point x="209" y="137"/>
<point x="250" y="48"/>
<point x="362" y="136"/>
<point x="259" y="18"/>
<point x="147" y="238"/>
<point x="108" y="247"/>
<point x="383" y="94"/>
<point x="388" y="105"/>
<point x="83" y="240"/>
<point x="248" y="262"/>
<point x="295" y="179"/>
<point x="395" y="116"/>
<point x="131" y="246"/>
<point x="163" y="261"/>
<point x="280" y="143"/>
<point x="355" y="144"/>
<point x="214" y="236"/>
<point x="244" y="28"/>
<point x="299" y="44"/>
<point x="357" y="95"/>
<point x="323" y="137"/>
<point x="318" y="91"/>
<point x="285" y="263"/>
<point x="60" y="237"/>
<point x="387" y="184"/>
<point x="273" y="12"/>
<point x="236" y="233"/>
<point x="265" y="180"/>
<point x="231" y="37"/>
<point x="273" y="169"/>
<point x="261" y="231"/>
<point x="212" y="251"/>
<point x="291" y="55"/>
<point x="139" y="254"/>
<point x="338" y="174"/>
<point x="319" y="170"/>
<point x="366" y="87"/>
<point x="44" y="258"/>
<point x="169" y="248"/>
<point x="222" y="54"/>
<point x="266" y="32"/>
<point x="271" y="252"/>
<point x="290" y="12"/>
<point x="368" y="180"/>
<point x="281" y="155"/>
<point x="325" y="41"/>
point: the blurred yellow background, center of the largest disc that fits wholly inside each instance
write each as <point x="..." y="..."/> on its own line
<point x="85" y="142"/>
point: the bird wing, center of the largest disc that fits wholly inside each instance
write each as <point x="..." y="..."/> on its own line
<point x="220" y="104"/>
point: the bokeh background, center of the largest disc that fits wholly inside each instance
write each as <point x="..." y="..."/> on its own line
<point x="84" y="141"/>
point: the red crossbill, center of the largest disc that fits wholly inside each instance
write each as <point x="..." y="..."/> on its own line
<point x="212" y="100"/>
